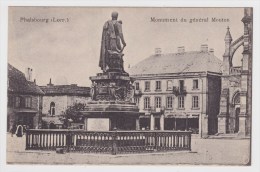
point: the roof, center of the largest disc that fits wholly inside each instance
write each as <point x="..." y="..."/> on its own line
<point x="192" y="61"/>
<point x="17" y="83"/>
<point x="73" y="89"/>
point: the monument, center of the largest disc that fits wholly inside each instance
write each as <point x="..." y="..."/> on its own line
<point x="111" y="106"/>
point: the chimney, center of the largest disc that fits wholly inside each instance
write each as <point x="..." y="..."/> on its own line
<point x="28" y="74"/>
<point x="211" y="51"/>
<point x="181" y="49"/>
<point x="204" y="48"/>
<point x="158" y="51"/>
<point x="50" y="84"/>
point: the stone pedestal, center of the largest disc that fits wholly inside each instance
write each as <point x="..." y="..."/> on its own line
<point x="112" y="93"/>
<point x="98" y="124"/>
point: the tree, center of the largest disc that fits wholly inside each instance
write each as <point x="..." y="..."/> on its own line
<point x="73" y="114"/>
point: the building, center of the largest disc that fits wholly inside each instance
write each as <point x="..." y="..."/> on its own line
<point x="24" y="99"/>
<point x="179" y="91"/>
<point x="236" y="95"/>
<point x="57" y="99"/>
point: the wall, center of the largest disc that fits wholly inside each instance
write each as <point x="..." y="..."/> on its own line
<point x="61" y="102"/>
<point x="13" y="112"/>
<point x="214" y="90"/>
<point x="188" y="83"/>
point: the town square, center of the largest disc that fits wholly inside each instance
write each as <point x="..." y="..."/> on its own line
<point x="119" y="89"/>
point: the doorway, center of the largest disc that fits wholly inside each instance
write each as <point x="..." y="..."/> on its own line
<point x="237" y="120"/>
<point x="52" y="126"/>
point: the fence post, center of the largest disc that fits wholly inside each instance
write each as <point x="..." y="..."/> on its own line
<point x="114" y="144"/>
<point x="27" y="140"/>
<point x="68" y="140"/>
<point x="156" y="140"/>
<point x="190" y="141"/>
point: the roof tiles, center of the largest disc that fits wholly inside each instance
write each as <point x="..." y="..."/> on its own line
<point x="193" y="61"/>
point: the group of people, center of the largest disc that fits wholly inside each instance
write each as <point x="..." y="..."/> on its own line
<point x="18" y="130"/>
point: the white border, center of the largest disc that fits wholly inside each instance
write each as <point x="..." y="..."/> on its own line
<point x="134" y="3"/>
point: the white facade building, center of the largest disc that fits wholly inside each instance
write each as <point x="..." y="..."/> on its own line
<point x="179" y="91"/>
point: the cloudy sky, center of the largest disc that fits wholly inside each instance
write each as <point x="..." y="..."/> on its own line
<point x="68" y="52"/>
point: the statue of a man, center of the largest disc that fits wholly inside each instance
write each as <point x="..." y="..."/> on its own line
<point x="111" y="37"/>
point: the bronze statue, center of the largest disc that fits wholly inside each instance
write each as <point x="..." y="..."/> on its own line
<point x="112" y="37"/>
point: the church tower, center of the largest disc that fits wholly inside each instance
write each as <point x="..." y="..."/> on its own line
<point x="236" y="95"/>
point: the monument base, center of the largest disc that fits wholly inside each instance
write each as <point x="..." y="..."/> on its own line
<point x="110" y="115"/>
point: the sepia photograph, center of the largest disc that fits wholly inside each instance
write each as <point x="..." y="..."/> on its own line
<point x="129" y="85"/>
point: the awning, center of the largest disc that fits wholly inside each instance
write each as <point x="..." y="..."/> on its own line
<point x="181" y="115"/>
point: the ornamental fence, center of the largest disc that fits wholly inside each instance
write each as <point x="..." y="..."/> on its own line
<point x="110" y="142"/>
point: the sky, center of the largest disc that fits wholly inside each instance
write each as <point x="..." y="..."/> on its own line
<point x="68" y="52"/>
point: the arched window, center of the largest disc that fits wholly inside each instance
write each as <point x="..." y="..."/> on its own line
<point x="236" y="99"/>
<point x="52" y="108"/>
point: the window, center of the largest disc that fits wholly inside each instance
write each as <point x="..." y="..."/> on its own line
<point x="195" y="84"/>
<point x="28" y="102"/>
<point x="146" y="102"/>
<point x="181" y="85"/>
<point x="158" y="85"/>
<point x="52" y="108"/>
<point x="169" y="85"/>
<point x="181" y="102"/>
<point x="136" y="101"/>
<point x="147" y="85"/>
<point x="195" y="102"/>
<point x="17" y="101"/>
<point x="10" y="101"/>
<point x="158" y="102"/>
<point x="169" y="102"/>
<point x="137" y="86"/>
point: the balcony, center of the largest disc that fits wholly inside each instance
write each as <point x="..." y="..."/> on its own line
<point x="138" y="93"/>
<point x="153" y="109"/>
<point x="177" y="91"/>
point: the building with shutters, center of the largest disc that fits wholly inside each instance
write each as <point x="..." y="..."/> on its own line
<point x="179" y="91"/>
<point x="24" y="99"/>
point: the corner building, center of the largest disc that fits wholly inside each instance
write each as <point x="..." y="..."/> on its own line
<point x="24" y="99"/>
<point x="179" y="91"/>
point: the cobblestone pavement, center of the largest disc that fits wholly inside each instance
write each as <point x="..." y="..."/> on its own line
<point x="204" y="152"/>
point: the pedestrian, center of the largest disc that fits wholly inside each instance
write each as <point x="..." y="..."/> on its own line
<point x="13" y="129"/>
<point x="19" y="131"/>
